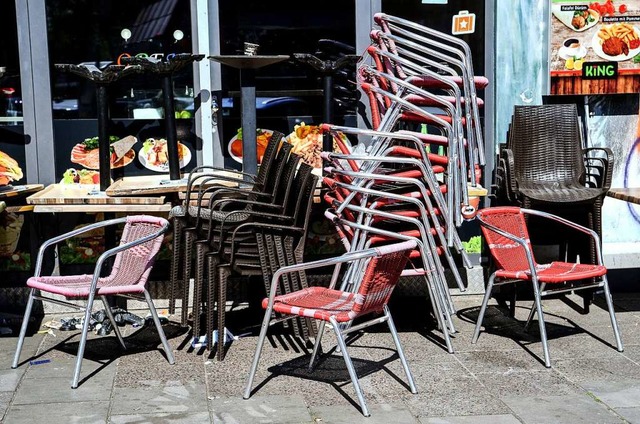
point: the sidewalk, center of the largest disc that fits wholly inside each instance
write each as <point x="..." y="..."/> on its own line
<point x="500" y="380"/>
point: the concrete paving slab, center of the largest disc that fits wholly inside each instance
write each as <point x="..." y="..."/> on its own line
<point x="59" y="413"/>
<point x="170" y="397"/>
<point x="384" y="413"/>
<point x="475" y="419"/>
<point x="166" y="418"/>
<point x="57" y="390"/>
<point x="566" y="409"/>
<point x="613" y="380"/>
<point x="632" y="414"/>
<point x="9" y="379"/>
<point x="285" y="409"/>
<point x="501" y="361"/>
<point x="442" y="390"/>
<point x="8" y="349"/>
<point x="63" y="367"/>
<point x="5" y="398"/>
<point x="530" y="383"/>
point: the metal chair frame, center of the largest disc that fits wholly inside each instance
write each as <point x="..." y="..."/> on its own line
<point x="539" y="285"/>
<point x="93" y="292"/>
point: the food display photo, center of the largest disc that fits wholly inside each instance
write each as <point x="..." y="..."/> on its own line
<point x="154" y="155"/>
<point x="594" y="47"/>
<point x="307" y="141"/>
<point x="262" y="139"/>
<point x="10" y="171"/>
<point x="86" y="153"/>
<point x="594" y="32"/>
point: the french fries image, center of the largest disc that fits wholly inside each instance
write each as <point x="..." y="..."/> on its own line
<point x="624" y="31"/>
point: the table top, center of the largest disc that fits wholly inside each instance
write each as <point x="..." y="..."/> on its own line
<point x="20" y="190"/>
<point x="628" y="194"/>
<point x="160" y="184"/>
<point x="242" y="61"/>
<point x="86" y="198"/>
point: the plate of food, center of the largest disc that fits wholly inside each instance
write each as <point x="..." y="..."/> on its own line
<point x="616" y="42"/>
<point x="10" y="171"/>
<point x="86" y="153"/>
<point x="235" y="144"/>
<point x="80" y="176"/>
<point x="577" y="20"/>
<point x="307" y="142"/>
<point x="154" y="155"/>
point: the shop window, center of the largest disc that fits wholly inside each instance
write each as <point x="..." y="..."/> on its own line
<point x="98" y="33"/>
<point x="288" y="92"/>
<point x="10" y="92"/>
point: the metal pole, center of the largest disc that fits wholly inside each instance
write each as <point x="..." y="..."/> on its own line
<point x="248" y="100"/>
<point x="327" y="143"/>
<point x="103" y="136"/>
<point x="170" y="128"/>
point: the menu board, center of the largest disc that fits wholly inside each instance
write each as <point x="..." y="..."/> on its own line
<point x="595" y="47"/>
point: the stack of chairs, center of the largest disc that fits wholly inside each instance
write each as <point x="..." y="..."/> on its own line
<point x="407" y="184"/>
<point x="251" y="228"/>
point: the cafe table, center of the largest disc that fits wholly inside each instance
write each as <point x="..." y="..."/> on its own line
<point x="628" y="194"/>
<point x="247" y="64"/>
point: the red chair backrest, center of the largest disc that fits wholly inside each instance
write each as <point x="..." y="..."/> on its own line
<point x="378" y="282"/>
<point x="507" y="254"/>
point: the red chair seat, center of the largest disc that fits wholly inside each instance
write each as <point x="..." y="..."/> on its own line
<point x="557" y="272"/>
<point x="316" y="302"/>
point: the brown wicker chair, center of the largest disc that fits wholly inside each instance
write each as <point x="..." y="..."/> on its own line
<point x="186" y="218"/>
<point x="279" y="240"/>
<point x="546" y="167"/>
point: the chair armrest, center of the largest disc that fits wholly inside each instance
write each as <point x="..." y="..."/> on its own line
<point x="258" y="214"/>
<point x="509" y="172"/>
<point x="571" y="224"/>
<point x="347" y="257"/>
<point x="257" y="225"/>
<point x="606" y="159"/>
<point x="55" y="240"/>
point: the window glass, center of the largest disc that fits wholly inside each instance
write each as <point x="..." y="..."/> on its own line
<point x="10" y="93"/>
<point x="98" y="33"/>
<point x="290" y="91"/>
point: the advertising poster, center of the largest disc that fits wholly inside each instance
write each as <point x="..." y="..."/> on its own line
<point x="595" y="47"/>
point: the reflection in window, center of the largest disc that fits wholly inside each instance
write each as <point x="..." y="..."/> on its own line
<point x="288" y="92"/>
<point x="10" y="92"/>
<point x="97" y="33"/>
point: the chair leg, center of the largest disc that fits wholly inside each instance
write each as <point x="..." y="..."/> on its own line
<point x="156" y="321"/>
<point x="223" y="277"/>
<point x="175" y="264"/>
<point x="189" y="238"/>
<point x="403" y="359"/>
<point x="212" y="283"/>
<point x="23" y="328"/>
<point x="612" y="315"/>
<point x="107" y="309"/>
<point x="316" y="344"/>
<point x="532" y="312"/>
<point x="543" y="330"/>
<point x="256" y="356"/>
<point x="201" y="251"/>
<point x="352" y="372"/>
<point x="483" y="308"/>
<point x="83" y="341"/>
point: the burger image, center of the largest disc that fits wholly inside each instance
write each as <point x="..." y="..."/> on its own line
<point x="10" y="227"/>
<point x="9" y="170"/>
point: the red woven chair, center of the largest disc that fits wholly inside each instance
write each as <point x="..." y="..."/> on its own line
<point x="335" y="306"/>
<point x="505" y="231"/>
<point x="140" y="242"/>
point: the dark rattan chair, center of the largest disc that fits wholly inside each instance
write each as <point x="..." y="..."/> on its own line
<point x="546" y="167"/>
<point x="185" y="217"/>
